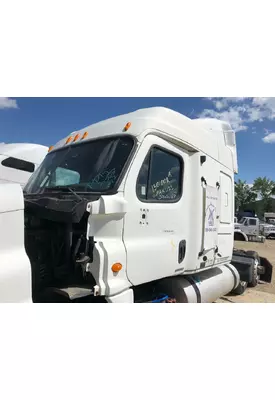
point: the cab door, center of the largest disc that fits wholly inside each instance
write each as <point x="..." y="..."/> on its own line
<point x="253" y="226"/>
<point x="250" y="226"/>
<point x="156" y="224"/>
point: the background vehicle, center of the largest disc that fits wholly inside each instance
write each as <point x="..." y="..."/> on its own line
<point x="246" y="213"/>
<point x="130" y="209"/>
<point x="269" y="218"/>
<point x="19" y="160"/>
<point x="253" y="227"/>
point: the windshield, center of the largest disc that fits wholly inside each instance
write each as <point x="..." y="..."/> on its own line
<point x="93" y="166"/>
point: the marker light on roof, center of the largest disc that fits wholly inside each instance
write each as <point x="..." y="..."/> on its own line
<point x="76" y="137"/>
<point x="50" y="149"/>
<point x="127" y="126"/>
<point x="69" y="139"/>
<point x="84" y="135"/>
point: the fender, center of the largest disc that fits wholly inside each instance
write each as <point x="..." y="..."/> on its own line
<point x="240" y="235"/>
<point x="15" y="267"/>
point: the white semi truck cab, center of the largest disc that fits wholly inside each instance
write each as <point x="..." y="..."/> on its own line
<point x="137" y="208"/>
<point x="269" y="217"/>
<point x="253" y="227"/>
<point x="19" y="160"/>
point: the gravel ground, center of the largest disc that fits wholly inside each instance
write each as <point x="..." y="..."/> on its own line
<point x="263" y="293"/>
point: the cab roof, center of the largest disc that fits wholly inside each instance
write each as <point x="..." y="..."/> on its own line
<point x="210" y="136"/>
<point x="25" y="151"/>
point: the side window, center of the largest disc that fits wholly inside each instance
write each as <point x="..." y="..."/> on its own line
<point x="252" y="222"/>
<point x="246" y="222"/>
<point x="160" y="177"/>
<point x="16" y="163"/>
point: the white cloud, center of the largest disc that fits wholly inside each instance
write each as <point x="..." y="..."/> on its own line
<point x="270" y="138"/>
<point x="255" y="114"/>
<point x="220" y="104"/>
<point x="262" y="100"/>
<point x="224" y="102"/>
<point x="232" y="115"/>
<point x="241" y="111"/>
<point x="266" y="105"/>
<point x="6" y="102"/>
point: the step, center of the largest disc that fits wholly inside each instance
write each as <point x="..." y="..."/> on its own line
<point x="74" y="292"/>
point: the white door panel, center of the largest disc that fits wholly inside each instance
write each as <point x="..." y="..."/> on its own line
<point x="153" y="230"/>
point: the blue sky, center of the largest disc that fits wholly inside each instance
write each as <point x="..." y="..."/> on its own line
<point x="46" y="120"/>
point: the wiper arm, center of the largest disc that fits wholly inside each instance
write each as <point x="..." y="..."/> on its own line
<point x="64" y="189"/>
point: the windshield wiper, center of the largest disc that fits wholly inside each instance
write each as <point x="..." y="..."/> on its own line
<point x="64" y="189"/>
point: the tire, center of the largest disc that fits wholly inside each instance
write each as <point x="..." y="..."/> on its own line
<point x="253" y="254"/>
<point x="238" y="237"/>
<point x="256" y="262"/>
<point x="240" y="289"/>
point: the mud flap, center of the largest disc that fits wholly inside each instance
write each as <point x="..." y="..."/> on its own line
<point x="266" y="276"/>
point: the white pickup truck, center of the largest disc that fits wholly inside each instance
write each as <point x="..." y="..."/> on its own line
<point x="253" y="227"/>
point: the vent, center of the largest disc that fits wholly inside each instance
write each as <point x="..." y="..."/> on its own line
<point x="230" y="139"/>
<point x="226" y="127"/>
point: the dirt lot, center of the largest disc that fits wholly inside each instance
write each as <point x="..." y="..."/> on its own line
<point x="263" y="293"/>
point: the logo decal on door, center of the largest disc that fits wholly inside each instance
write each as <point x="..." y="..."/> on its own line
<point x="211" y="210"/>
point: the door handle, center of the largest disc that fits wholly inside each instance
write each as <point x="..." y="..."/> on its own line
<point x="182" y="251"/>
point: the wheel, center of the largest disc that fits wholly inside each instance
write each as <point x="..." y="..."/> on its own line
<point x="255" y="276"/>
<point x="240" y="289"/>
<point x="238" y="237"/>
